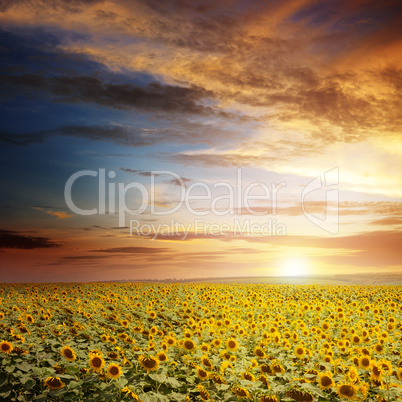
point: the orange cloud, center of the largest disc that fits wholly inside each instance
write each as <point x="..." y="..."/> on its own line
<point x="59" y="214"/>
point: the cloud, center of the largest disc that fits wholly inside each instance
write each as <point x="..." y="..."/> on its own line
<point x="14" y="240"/>
<point x="133" y="250"/>
<point x="390" y="221"/>
<point x="51" y="212"/>
<point x="59" y="214"/>
<point x="174" y="181"/>
<point x="152" y="97"/>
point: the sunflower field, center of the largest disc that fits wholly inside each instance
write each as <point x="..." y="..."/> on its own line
<point x="192" y="342"/>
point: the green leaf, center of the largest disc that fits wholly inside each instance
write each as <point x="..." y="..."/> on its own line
<point x="37" y="371"/>
<point x="3" y="378"/>
<point x="9" y="369"/>
<point x="29" y="384"/>
<point x="157" y="377"/>
<point x="173" y="382"/>
<point x="24" y="366"/>
<point x="5" y="394"/>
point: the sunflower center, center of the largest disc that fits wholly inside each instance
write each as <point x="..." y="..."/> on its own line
<point x="149" y="363"/>
<point x="326" y="381"/>
<point x="241" y="392"/>
<point x="189" y="345"/>
<point x="96" y="362"/>
<point x="68" y="353"/>
<point x="347" y="390"/>
<point x="54" y="382"/>
<point x="376" y="370"/>
<point x="5" y="347"/>
<point x="114" y="370"/>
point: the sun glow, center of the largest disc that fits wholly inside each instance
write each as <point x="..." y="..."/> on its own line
<point x="294" y="267"/>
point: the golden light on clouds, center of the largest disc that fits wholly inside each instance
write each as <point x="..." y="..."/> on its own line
<point x="285" y="91"/>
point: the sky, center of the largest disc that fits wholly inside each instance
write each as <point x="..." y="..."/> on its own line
<point x="150" y="139"/>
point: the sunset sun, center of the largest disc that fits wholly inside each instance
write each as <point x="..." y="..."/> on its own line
<point x="294" y="266"/>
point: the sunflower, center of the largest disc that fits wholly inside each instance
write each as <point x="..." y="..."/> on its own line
<point x="122" y="336"/>
<point x="265" y="368"/>
<point x="68" y="353"/>
<point x="54" y="383"/>
<point x="248" y="376"/>
<point x="376" y="371"/>
<point x="241" y="392"/>
<point x="189" y="345"/>
<point x="149" y="363"/>
<point x="20" y="351"/>
<point x="254" y="363"/>
<point x="203" y="393"/>
<point x="386" y="366"/>
<point x="170" y="341"/>
<point x="259" y="352"/>
<point x="325" y="380"/>
<point x="59" y="369"/>
<point x="96" y="362"/>
<point x="113" y="355"/>
<point x="300" y="395"/>
<point x="113" y="371"/>
<point x="268" y="398"/>
<point x="216" y="342"/>
<point x="201" y="373"/>
<point x="131" y="394"/>
<point x="162" y="357"/>
<point x="30" y="319"/>
<point x="225" y="365"/>
<point x="378" y="348"/>
<point x="225" y="354"/>
<point x="326" y="326"/>
<point x="276" y="367"/>
<point x="217" y="379"/>
<point x="353" y="375"/>
<point x="312" y="374"/>
<point x="6" y="347"/>
<point x="206" y="362"/>
<point x="232" y="345"/>
<point x="138" y="329"/>
<point x="348" y="391"/>
<point x="300" y="351"/>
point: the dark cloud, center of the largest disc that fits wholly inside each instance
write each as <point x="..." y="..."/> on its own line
<point x="153" y="97"/>
<point x="84" y="257"/>
<point x="72" y="6"/>
<point x="185" y="132"/>
<point x="14" y="240"/>
<point x="174" y="181"/>
<point x="121" y="135"/>
<point x="133" y="250"/>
